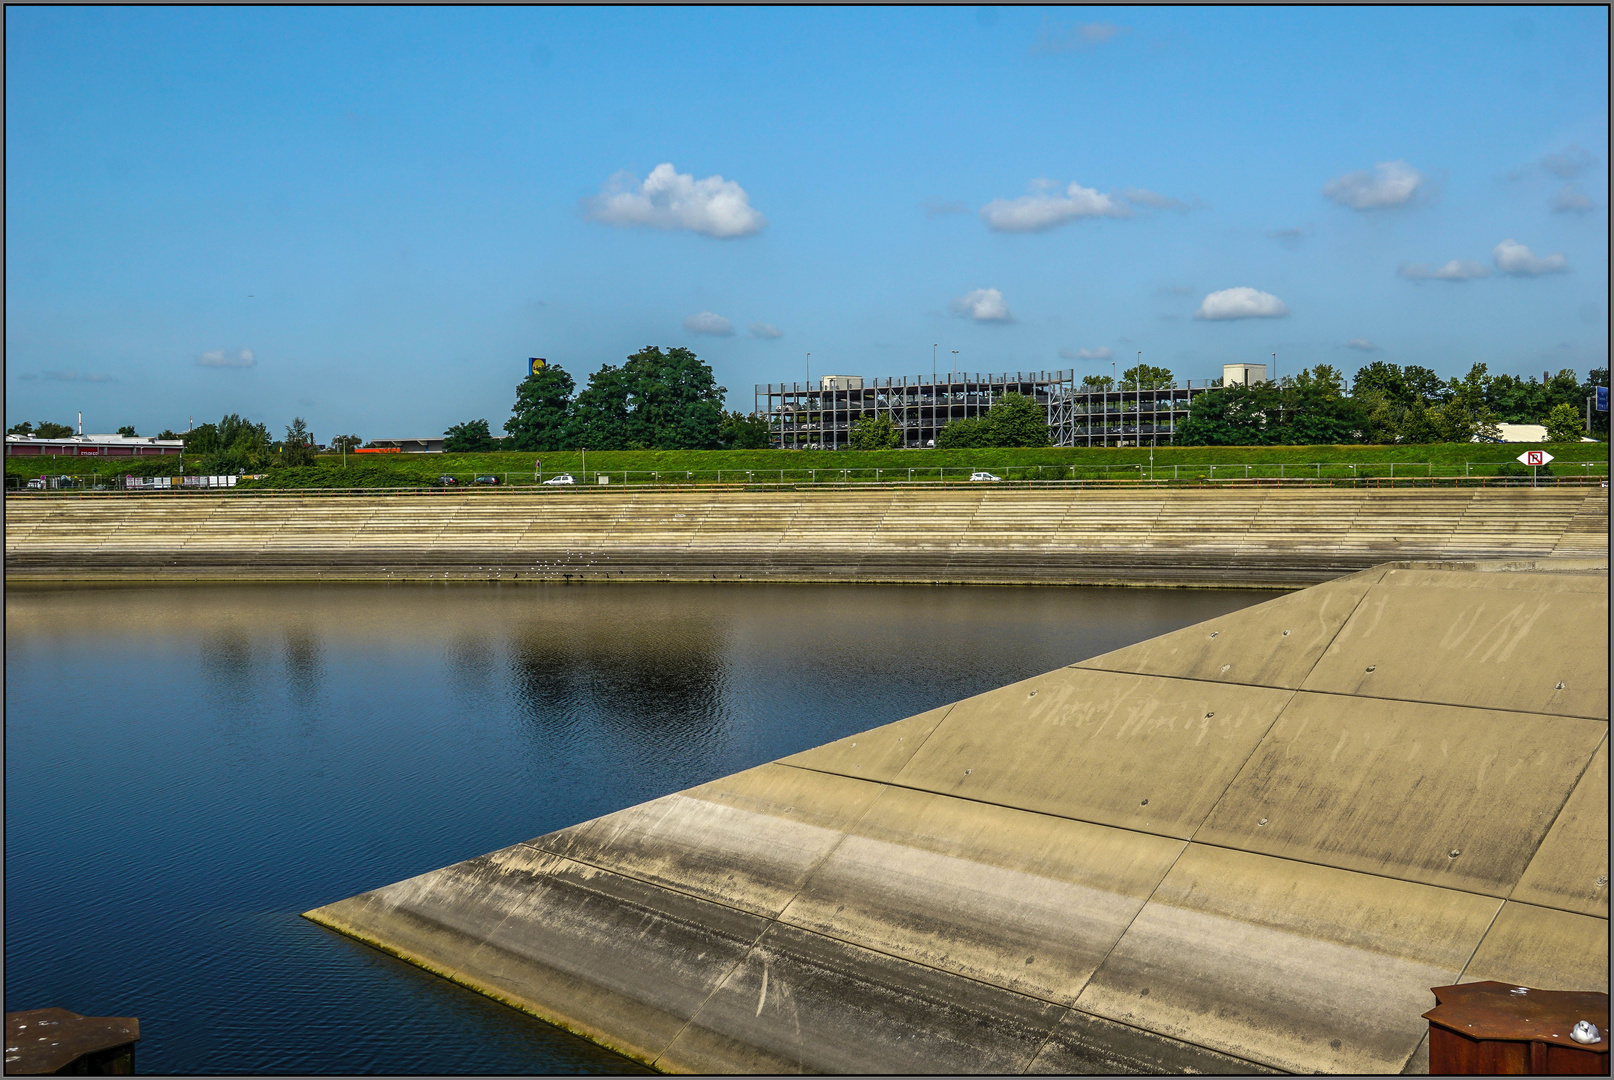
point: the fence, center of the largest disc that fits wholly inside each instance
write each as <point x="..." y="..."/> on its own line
<point x="1227" y="477"/>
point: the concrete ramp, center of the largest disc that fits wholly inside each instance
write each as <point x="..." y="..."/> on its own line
<point x="1252" y="844"/>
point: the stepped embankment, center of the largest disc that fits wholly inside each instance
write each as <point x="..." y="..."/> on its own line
<point x="1250" y="845"/>
<point x="1262" y="537"/>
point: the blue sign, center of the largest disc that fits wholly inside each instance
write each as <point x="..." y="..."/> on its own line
<point x="536" y="364"/>
<point x="1602" y="399"/>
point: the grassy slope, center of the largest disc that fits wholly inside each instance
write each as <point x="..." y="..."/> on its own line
<point x="1089" y="463"/>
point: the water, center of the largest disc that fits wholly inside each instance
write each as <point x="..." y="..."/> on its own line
<point x="188" y="767"/>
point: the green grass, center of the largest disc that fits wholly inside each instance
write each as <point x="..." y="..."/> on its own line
<point x="1187" y="463"/>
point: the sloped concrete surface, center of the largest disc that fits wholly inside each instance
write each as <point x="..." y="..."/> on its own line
<point x="1259" y="537"/>
<point x="1229" y="849"/>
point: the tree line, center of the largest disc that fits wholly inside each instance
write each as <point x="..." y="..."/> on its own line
<point x="655" y="400"/>
<point x="1388" y="404"/>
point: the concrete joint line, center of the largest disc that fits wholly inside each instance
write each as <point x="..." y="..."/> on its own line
<point x="1568" y="794"/>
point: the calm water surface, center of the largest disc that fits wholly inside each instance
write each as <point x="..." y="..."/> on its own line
<point x="189" y="767"/>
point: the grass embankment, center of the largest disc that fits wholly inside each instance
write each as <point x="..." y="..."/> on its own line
<point x="1183" y="463"/>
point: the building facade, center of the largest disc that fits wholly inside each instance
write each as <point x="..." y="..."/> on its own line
<point x="804" y="416"/>
<point x="91" y="446"/>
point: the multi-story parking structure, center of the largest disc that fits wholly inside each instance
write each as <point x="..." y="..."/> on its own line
<point x="805" y="416"/>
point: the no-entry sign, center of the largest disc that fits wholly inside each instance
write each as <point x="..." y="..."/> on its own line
<point x="1535" y="457"/>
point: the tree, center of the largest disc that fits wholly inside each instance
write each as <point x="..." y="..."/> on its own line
<point x="542" y="414"/>
<point x="600" y="413"/>
<point x="674" y="402"/>
<point x="47" y="430"/>
<point x="128" y="429"/>
<point x="471" y="437"/>
<point x="1233" y="415"/>
<point x="1016" y="420"/>
<point x="1425" y="385"/>
<point x="343" y="443"/>
<point x="656" y="400"/>
<point x="1564" y="424"/>
<point x="298" y="448"/>
<point x="1094" y="384"/>
<point x="967" y="434"/>
<point x="1145" y="377"/>
<point x="24" y="428"/>
<point x="1013" y="420"/>
<point x="1315" y="410"/>
<point x="875" y="432"/>
<point x="233" y="445"/>
<point x="741" y="432"/>
<point x="167" y="434"/>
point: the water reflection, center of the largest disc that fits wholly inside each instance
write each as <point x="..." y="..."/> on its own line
<point x="303" y="652"/>
<point x="659" y="678"/>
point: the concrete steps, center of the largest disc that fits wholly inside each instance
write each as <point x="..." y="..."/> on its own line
<point x="1246" y="536"/>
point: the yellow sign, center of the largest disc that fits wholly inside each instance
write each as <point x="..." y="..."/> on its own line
<point x="538" y="364"/>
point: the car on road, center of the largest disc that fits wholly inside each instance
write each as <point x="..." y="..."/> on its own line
<point x="563" y="478"/>
<point x="37" y="484"/>
<point x="984" y="476"/>
<point x="445" y="481"/>
<point x="486" y="480"/>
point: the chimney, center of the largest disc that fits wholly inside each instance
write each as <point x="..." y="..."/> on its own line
<point x="81" y="423"/>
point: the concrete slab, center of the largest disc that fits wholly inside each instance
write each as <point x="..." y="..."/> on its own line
<point x="618" y="961"/>
<point x="1301" y="968"/>
<point x="1491" y="640"/>
<point x="1272" y="644"/>
<point x="1024" y="901"/>
<point x="1545" y="948"/>
<point x="1570" y="869"/>
<point x="748" y="840"/>
<point x="434" y="919"/>
<point x="1133" y="751"/>
<point x="1454" y="797"/>
<point x="802" y="1002"/>
<point x="1083" y="1045"/>
<point x="877" y="754"/>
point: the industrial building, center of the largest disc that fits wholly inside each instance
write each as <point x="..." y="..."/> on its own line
<point x="805" y="416"/>
<point x="91" y="446"/>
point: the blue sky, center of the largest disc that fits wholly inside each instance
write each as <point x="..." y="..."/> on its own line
<point x="370" y="217"/>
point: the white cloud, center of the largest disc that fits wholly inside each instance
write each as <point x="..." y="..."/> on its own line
<point x="669" y="199"/>
<point x="73" y="376"/>
<point x="1361" y="344"/>
<point x="1390" y="184"/>
<point x="227" y="358"/>
<point x="765" y="330"/>
<point x="1053" y="38"/>
<point x="1241" y="303"/>
<point x="1455" y="270"/>
<point x="1030" y="213"/>
<point x="1513" y="257"/>
<point x="1155" y="200"/>
<point x="1572" y="201"/>
<point x="1568" y="161"/>
<point x="1103" y="352"/>
<point x="708" y="323"/>
<point x="982" y="305"/>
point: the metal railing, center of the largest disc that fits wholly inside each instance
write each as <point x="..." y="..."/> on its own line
<point x="1042" y="477"/>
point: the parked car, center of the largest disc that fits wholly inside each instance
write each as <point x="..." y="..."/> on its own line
<point x="563" y="478"/>
<point x="984" y="476"/>
<point x="445" y="481"/>
<point x="486" y="480"/>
